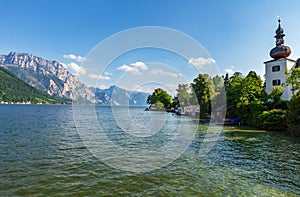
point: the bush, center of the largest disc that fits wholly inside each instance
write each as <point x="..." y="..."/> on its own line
<point x="293" y="115"/>
<point x="273" y="120"/>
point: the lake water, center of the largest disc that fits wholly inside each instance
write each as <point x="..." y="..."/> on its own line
<point x="43" y="154"/>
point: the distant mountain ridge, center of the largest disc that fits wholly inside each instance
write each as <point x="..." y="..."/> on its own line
<point x="48" y="76"/>
<point x="51" y="77"/>
<point x="118" y="96"/>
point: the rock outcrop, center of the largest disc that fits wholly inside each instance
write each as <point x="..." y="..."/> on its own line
<point x="48" y="76"/>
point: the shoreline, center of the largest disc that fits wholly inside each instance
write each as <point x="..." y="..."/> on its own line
<point x="21" y="103"/>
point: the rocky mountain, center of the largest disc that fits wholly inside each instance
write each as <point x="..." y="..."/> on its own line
<point x="118" y="96"/>
<point x="48" y="76"/>
<point x="51" y="77"/>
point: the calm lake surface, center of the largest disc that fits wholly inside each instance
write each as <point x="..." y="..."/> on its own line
<point x="42" y="154"/>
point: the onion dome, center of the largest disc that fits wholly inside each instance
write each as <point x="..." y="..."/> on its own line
<point x="280" y="51"/>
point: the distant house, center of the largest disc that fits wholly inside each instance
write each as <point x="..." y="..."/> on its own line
<point x="275" y="69"/>
<point x="153" y="107"/>
<point x="191" y="110"/>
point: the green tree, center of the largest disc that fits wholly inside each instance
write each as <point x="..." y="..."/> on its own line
<point x="274" y="100"/>
<point x="160" y="96"/>
<point x="183" y="94"/>
<point x="250" y="100"/>
<point x="203" y="91"/>
<point x="160" y="106"/>
<point x="226" y="80"/>
<point x="244" y="96"/>
<point x="233" y="91"/>
<point x="175" y="102"/>
<point x="293" y="78"/>
<point x="219" y="98"/>
<point x="293" y="115"/>
<point x="218" y="83"/>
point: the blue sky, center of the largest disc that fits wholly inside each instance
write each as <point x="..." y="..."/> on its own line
<point x="237" y="34"/>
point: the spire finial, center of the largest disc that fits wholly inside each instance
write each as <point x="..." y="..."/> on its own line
<point x="279" y="34"/>
<point x="280" y="51"/>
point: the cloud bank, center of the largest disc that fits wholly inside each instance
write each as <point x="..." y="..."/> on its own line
<point x="162" y="72"/>
<point x="79" y="70"/>
<point x="200" y="61"/>
<point x="99" y="77"/>
<point x="134" y="68"/>
<point x="77" y="58"/>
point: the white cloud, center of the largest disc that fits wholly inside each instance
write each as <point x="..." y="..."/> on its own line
<point x="138" y="88"/>
<point x="134" y="68"/>
<point x="139" y="65"/>
<point x="229" y="71"/>
<point x="78" y="58"/>
<point x="200" y="61"/>
<point x="76" y="68"/>
<point x="99" y="77"/>
<point x="130" y="69"/>
<point x="107" y="73"/>
<point x="161" y="72"/>
<point x="105" y="78"/>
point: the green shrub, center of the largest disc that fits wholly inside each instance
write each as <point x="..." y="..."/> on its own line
<point x="293" y="115"/>
<point x="273" y="120"/>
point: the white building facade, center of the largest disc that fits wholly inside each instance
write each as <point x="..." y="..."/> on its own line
<point x="275" y="69"/>
<point x="275" y="76"/>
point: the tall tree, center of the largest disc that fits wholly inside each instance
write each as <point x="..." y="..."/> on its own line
<point x="244" y="96"/>
<point x="233" y="91"/>
<point x="293" y="116"/>
<point x="250" y="101"/>
<point x="293" y="78"/>
<point x="226" y="80"/>
<point x="160" y="96"/>
<point x="203" y="88"/>
<point x="218" y="83"/>
<point x="219" y="99"/>
<point x="183" y="94"/>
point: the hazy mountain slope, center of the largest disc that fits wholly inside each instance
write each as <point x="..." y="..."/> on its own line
<point x="118" y="96"/>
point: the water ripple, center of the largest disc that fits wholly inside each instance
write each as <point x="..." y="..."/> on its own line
<point x="42" y="155"/>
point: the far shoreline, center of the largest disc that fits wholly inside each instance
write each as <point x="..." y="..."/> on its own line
<point x="35" y="103"/>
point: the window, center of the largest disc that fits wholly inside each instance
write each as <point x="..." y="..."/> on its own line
<point x="275" y="68"/>
<point x="276" y="82"/>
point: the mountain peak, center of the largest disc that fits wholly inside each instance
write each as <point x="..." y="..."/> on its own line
<point x="48" y="76"/>
<point x="119" y="96"/>
<point x="52" y="78"/>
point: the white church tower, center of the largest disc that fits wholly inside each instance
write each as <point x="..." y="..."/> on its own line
<point x="275" y="69"/>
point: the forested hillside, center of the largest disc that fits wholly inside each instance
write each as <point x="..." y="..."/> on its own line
<point x="13" y="89"/>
